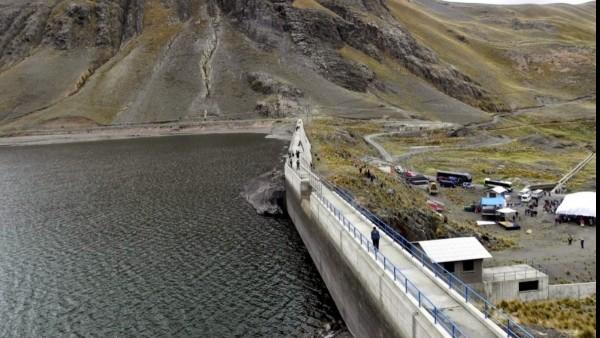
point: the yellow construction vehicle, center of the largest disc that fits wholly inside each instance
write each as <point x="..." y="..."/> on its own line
<point x="433" y="188"/>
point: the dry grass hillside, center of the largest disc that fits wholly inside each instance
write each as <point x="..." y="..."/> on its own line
<point x="69" y="63"/>
<point x="527" y="55"/>
<point x="564" y="317"/>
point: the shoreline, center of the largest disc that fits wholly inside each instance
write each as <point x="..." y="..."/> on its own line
<point x="271" y="128"/>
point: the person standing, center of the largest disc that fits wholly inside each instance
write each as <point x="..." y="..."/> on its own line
<point x="375" y="238"/>
<point x="582" y="241"/>
<point x="570" y="239"/>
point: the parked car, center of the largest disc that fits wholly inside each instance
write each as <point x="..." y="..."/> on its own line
<point x="537" y="193"/>
<point x="399" y="170"/>
<point x="470" y="207"/>
<point x="447" y="183"/>
<point x="433" y="188"/>
<point x="525" y="196"/>
<point x="436" y="206"/>
<point x="524" y="191"/>
<point x="417" y="180"/>
<point x="531" y="195"/>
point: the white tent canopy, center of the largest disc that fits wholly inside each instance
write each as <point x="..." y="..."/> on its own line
<point x="506" y="211"/>
<point x="499" y="190"/>
<point x="480" y="223"/>
<point x="578" y="204"/>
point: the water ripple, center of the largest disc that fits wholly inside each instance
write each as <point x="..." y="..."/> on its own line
<point x="150" y="238"/>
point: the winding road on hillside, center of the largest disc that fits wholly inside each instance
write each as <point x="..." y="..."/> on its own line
<point x="387" y="157"/>
<point x="492" y="141"/>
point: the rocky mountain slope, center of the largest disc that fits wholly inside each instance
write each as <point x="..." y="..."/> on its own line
<point x="72" y="63"/>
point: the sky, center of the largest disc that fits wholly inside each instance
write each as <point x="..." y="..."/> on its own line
<point x="520" y="2"/>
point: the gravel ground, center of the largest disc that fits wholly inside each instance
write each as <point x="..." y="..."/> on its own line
<point x="546" y="246"/>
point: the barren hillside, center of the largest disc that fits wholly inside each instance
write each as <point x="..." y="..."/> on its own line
<point x="71" y="63"/>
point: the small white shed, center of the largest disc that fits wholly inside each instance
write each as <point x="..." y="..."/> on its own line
<point x="462" y="256"/>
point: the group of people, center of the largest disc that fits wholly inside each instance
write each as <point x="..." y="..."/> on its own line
<point x="550" y="206"/>
<point x="294" y="156"/>
<point x="531" y="210"/>
<point x="516" y="217"/>
<point x="366" y="172"/>
<point x="581" y="241"/>
<point x="579" y="219"/>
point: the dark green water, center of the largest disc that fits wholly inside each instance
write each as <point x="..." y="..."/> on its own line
<point x="150" y="238"/>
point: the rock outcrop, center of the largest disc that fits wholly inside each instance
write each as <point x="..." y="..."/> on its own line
<point x="366" y="26"/>
<point x="67" y="25"/>
<point x="266" y="193"/>
<point x="267" y="84"/>
<point x="282" y="98"/>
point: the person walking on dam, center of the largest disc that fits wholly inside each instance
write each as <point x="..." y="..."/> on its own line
<point x="375" y="238"/>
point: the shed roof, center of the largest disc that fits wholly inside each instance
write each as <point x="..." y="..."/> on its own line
<point x="512" y="272"/>
<point x="498" y="201"/>
<point x="454" y="249"/>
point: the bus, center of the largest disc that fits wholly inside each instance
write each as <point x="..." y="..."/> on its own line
<point x="488" y="182"/>
<point x="458" y="178"/>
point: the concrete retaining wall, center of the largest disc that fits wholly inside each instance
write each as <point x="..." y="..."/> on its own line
<point x="509" y="290"/>
<point x="577" y="291"/>
<point x="367" y="298"/>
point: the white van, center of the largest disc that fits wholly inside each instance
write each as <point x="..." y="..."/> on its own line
<point x="537" y="193"/>
<point x="527" y="196"/>
<point x="524" y="191"/>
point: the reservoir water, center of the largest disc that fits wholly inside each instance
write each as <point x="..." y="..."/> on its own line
<point x="150" y="238"/>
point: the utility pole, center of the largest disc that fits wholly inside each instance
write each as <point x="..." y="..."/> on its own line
<point x="306" y="108"/>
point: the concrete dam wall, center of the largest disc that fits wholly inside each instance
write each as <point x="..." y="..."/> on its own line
<point x="370" y="303"/>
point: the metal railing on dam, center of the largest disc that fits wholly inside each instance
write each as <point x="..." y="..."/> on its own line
<point x="468" y="295"/>
<point x="409" y="287"/>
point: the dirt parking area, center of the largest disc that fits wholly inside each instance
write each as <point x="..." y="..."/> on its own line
<point x="546" y="247"/>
